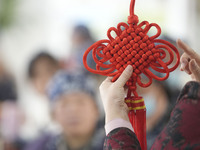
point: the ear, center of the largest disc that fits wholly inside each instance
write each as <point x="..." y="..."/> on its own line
<point x="97" y="111"/>
<point x="52" y="112"/>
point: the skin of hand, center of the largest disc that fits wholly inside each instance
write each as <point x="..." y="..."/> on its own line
<point x="113" y="94"/>
<point x="190" y="61"/>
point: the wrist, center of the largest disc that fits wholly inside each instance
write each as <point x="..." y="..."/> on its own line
<point x="111" y="115"/>
<point x="117" y="123"/>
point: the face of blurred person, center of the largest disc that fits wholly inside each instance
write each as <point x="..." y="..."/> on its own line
<point x="80" y="35"/>
<point x="77" y="114"/>
<point x="43" y="72"/>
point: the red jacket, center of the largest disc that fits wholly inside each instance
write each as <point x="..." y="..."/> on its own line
<point x="181" y="132"/>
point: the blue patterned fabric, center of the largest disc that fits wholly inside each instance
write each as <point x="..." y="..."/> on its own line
<point x="67" y="82"/>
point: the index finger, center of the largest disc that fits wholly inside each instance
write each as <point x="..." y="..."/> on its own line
<point x="188" y="50"/>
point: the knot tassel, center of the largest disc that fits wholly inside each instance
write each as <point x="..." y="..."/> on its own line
<point x="137" y="117"/>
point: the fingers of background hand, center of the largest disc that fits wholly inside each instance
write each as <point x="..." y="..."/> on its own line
<point x="185" y="63"/>
<point x="121" y="81"/>
<point x="188" y="50"/>
<point x="184" y="60"/>
<point x="195" y="69"/>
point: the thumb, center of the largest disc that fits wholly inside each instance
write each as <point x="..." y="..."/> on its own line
<point x="195" y="69"/>
<point x="125" y="76"/>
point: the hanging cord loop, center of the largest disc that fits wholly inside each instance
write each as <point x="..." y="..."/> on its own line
<point x="132" y="19"/>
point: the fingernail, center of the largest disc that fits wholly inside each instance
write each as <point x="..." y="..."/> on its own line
<point x="178" y="42"/>
<point x="183" y="65"/>
<point x="129" y="68"/>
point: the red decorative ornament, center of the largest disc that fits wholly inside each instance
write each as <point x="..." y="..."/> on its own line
<point x="132" y="46"/>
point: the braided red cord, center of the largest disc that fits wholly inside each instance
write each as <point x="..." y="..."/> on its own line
<point x="132" y="46"/>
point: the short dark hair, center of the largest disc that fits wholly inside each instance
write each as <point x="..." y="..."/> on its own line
<point x="83" y="31"/>
<point x="38" y="57"/>
<point x="7" y="89"/>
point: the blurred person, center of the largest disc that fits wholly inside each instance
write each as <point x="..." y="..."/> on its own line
<point x="157" y="109"/>
<point x="81" y="40"/>
<point x="182" y="130"/>
<point x="74" y="107"/>
<point x="41" y="69"/>
<point x="159" y="99"/>
<point x="11" y="115"/>
<point x="12" y="119"/>
<point x="156" y="102"/>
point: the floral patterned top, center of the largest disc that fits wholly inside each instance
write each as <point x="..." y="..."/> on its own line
<point x="181" y="133"/>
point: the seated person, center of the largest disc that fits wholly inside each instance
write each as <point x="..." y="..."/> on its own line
<point x="74" y="107"/>
<point x="11" y="115"/>
<point x="40" y="70"/>
<point x="182" y="130"/>
<point x="81" y="39"/>
<point x="158" y="109"/>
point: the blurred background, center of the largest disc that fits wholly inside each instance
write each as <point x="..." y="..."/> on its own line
<point x="60" y="31"/>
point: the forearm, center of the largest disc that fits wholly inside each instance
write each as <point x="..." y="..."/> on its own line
<point x="116" y="113"/>
<point x="121" y="138"/>
<point x="120" y="135"/>
<point x="184" y="121"/>
<point x="117" y="123"/>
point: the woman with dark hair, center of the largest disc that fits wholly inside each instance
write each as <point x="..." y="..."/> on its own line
<point x="11" y="115"/>
<point x="41" y="69"/>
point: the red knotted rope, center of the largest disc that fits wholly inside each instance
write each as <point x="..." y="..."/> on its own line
<point x="132" y="46"/>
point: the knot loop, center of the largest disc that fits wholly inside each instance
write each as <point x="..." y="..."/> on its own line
<point x="133" y="46"/>
<point x="133" y="19"/>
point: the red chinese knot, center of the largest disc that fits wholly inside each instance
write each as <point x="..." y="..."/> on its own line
<point x="132" y="46"/>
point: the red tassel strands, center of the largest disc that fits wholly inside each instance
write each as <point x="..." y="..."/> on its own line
<point x="132" y="46"/>
<point x="137" y="116"/>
